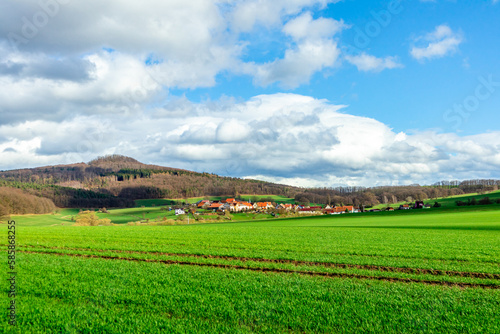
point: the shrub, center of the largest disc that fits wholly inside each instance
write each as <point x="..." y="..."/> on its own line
<point x="89" y="218"/>
<point x="228" y="215"/>
<point x="484" y="201"/>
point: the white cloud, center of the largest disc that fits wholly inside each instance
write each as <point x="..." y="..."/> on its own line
<point x="189" y="41"/>
<point x="114" y="57"/>
<point x="115" y="83"/>
<point x="313" y="50"/>
<point x="305" y="27"/>
<point x="288" y="138"/>
<point x="298" y="64"/>
<point x="232" y="131"/>
<point x="437" y="44"/>
<point x="369" y="63"/>
<point x="268" y="13"/>
<point x="176" y="29"/>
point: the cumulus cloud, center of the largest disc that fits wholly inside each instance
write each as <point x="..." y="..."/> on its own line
<point x="298" y="65"/>
<point x="112" y="83"/>
<point x="232" y="131"/>
<point x="437" y="44"/>
<point x="313" y="50"/>
<point x="77" y="27"/>
<point x="268" y="13"/>
<point x="189" y="41"/>
<point x="287" y="138"/>
<point x="305" y="27"/>
<point x="58" y="58"/>
<point x="368" y="63"/>
<point x="43" y="67"/>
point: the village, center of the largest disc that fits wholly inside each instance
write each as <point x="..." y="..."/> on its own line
<point x="232" y="205"/>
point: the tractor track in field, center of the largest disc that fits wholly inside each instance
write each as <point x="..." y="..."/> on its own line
<point x="301" y="252"/>
<point x="405" y="270"/>
<point x="277" y="270"/>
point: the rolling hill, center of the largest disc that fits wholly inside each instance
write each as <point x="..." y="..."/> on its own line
<point x="114" y="181"/>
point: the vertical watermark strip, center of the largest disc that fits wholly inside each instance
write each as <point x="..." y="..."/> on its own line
<point x="11" y="261"/>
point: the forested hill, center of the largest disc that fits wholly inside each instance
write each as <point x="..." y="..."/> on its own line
<point x="115" y="181"/>
<point x="118" y="180"/>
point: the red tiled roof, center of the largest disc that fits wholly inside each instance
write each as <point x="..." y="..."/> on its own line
<point x="203" y="203"/>
<point x="340" y="209"/>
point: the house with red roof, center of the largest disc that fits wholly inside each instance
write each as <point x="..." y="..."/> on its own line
<point x="310" y="210"/>
<point x="203" y="203"/>
<point x="284" y="206"/>
<point x="245" y="206"/>
<point x="341" y="209"/>
<point x="215" y="206"/>
<point x="263" y="205"/>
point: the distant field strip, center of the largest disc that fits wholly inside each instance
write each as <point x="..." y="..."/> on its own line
<point x="407" y="270"/>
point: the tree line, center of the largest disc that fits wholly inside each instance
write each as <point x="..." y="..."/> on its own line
<point x="17" y="202"/>
<point x="392" y="194"/>
<point x="65" y="197"/>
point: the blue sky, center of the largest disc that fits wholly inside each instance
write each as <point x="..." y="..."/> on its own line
<point x="304" y="92"/>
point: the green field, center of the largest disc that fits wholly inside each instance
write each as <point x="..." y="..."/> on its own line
<point x="118" y="216"/>
<point x="63" y="217"/>
<point x="399" y="272"/>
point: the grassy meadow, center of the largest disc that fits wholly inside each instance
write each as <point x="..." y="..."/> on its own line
<point x="397" y="272"/>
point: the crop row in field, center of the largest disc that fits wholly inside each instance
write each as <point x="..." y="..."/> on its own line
<point x="406" y="270"/>
<point x="415" y="275"/>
